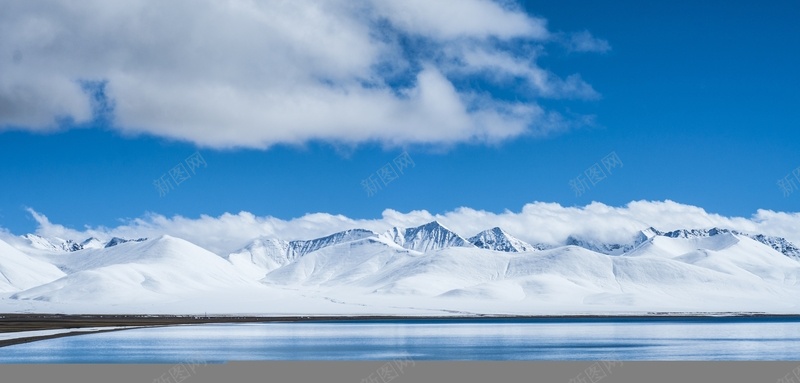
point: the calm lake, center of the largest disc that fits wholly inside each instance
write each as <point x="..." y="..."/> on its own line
<point x="473" y="339"/>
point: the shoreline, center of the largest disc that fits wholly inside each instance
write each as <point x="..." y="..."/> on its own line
<point x="20" y="323"/>
<point x="31" y="322"/>
<point x="29" y="339"/>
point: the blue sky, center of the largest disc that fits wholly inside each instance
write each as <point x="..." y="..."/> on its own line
<point x="698" y="100"/>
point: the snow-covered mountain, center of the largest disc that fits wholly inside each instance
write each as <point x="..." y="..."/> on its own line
<point x="92" y="243"/>
<point x="116" y="241"/>
<point x="600" y="246"/>
<point x="428" y="237"/>
<point x="340" y="264"/>
<point x="497" y="239"/>
<point x="266" y="254"/>
<point x="610" y="248"/>
<point x="428" y="269"/>
<point x="304" y="247"/>
<point x="51" y="244"/>
<point x="780" y="244"/>
<point x="732" y="274"/>
<point x="70" y="245"/>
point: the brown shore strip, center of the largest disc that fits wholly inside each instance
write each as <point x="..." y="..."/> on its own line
<point x="31" y="322"/>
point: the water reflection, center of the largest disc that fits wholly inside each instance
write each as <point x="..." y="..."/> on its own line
<point x="713" y="339"/>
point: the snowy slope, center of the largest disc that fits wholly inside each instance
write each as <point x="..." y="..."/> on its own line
<point x="570" y="276"/>
<point x="19" y="271"/>
<point x="157" y="269"/>
<point x="779" y="244"/>
<point x="673" y="246"/>
<point x="266" y="254"/>
<point x="262" y="256"/>
<point x="341" y="264"/>
<point x="729" y="253"/>
<point x="497" y="239"/>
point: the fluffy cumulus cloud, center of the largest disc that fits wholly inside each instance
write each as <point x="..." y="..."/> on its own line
<point x="253" y="73"/>
<point x="537" y="222"/>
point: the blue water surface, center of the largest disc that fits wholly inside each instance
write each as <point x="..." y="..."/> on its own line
<point x="473" y="339"/>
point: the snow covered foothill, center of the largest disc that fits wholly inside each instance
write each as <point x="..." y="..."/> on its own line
<point x="157" y="269"/>
<point x="19" y="271"/>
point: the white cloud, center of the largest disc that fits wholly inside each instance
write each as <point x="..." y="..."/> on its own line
<point x="252" y="73"/>
<point x="584" y="42"/>
<point x="502" y="66"/>
<point x="453" y="19"/>
<point x="536" y="222"/>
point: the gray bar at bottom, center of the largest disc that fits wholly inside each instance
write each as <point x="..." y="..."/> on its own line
<point x="407" y="371"/>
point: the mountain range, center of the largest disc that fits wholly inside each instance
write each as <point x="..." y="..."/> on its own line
<point x="428" y="268"/>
